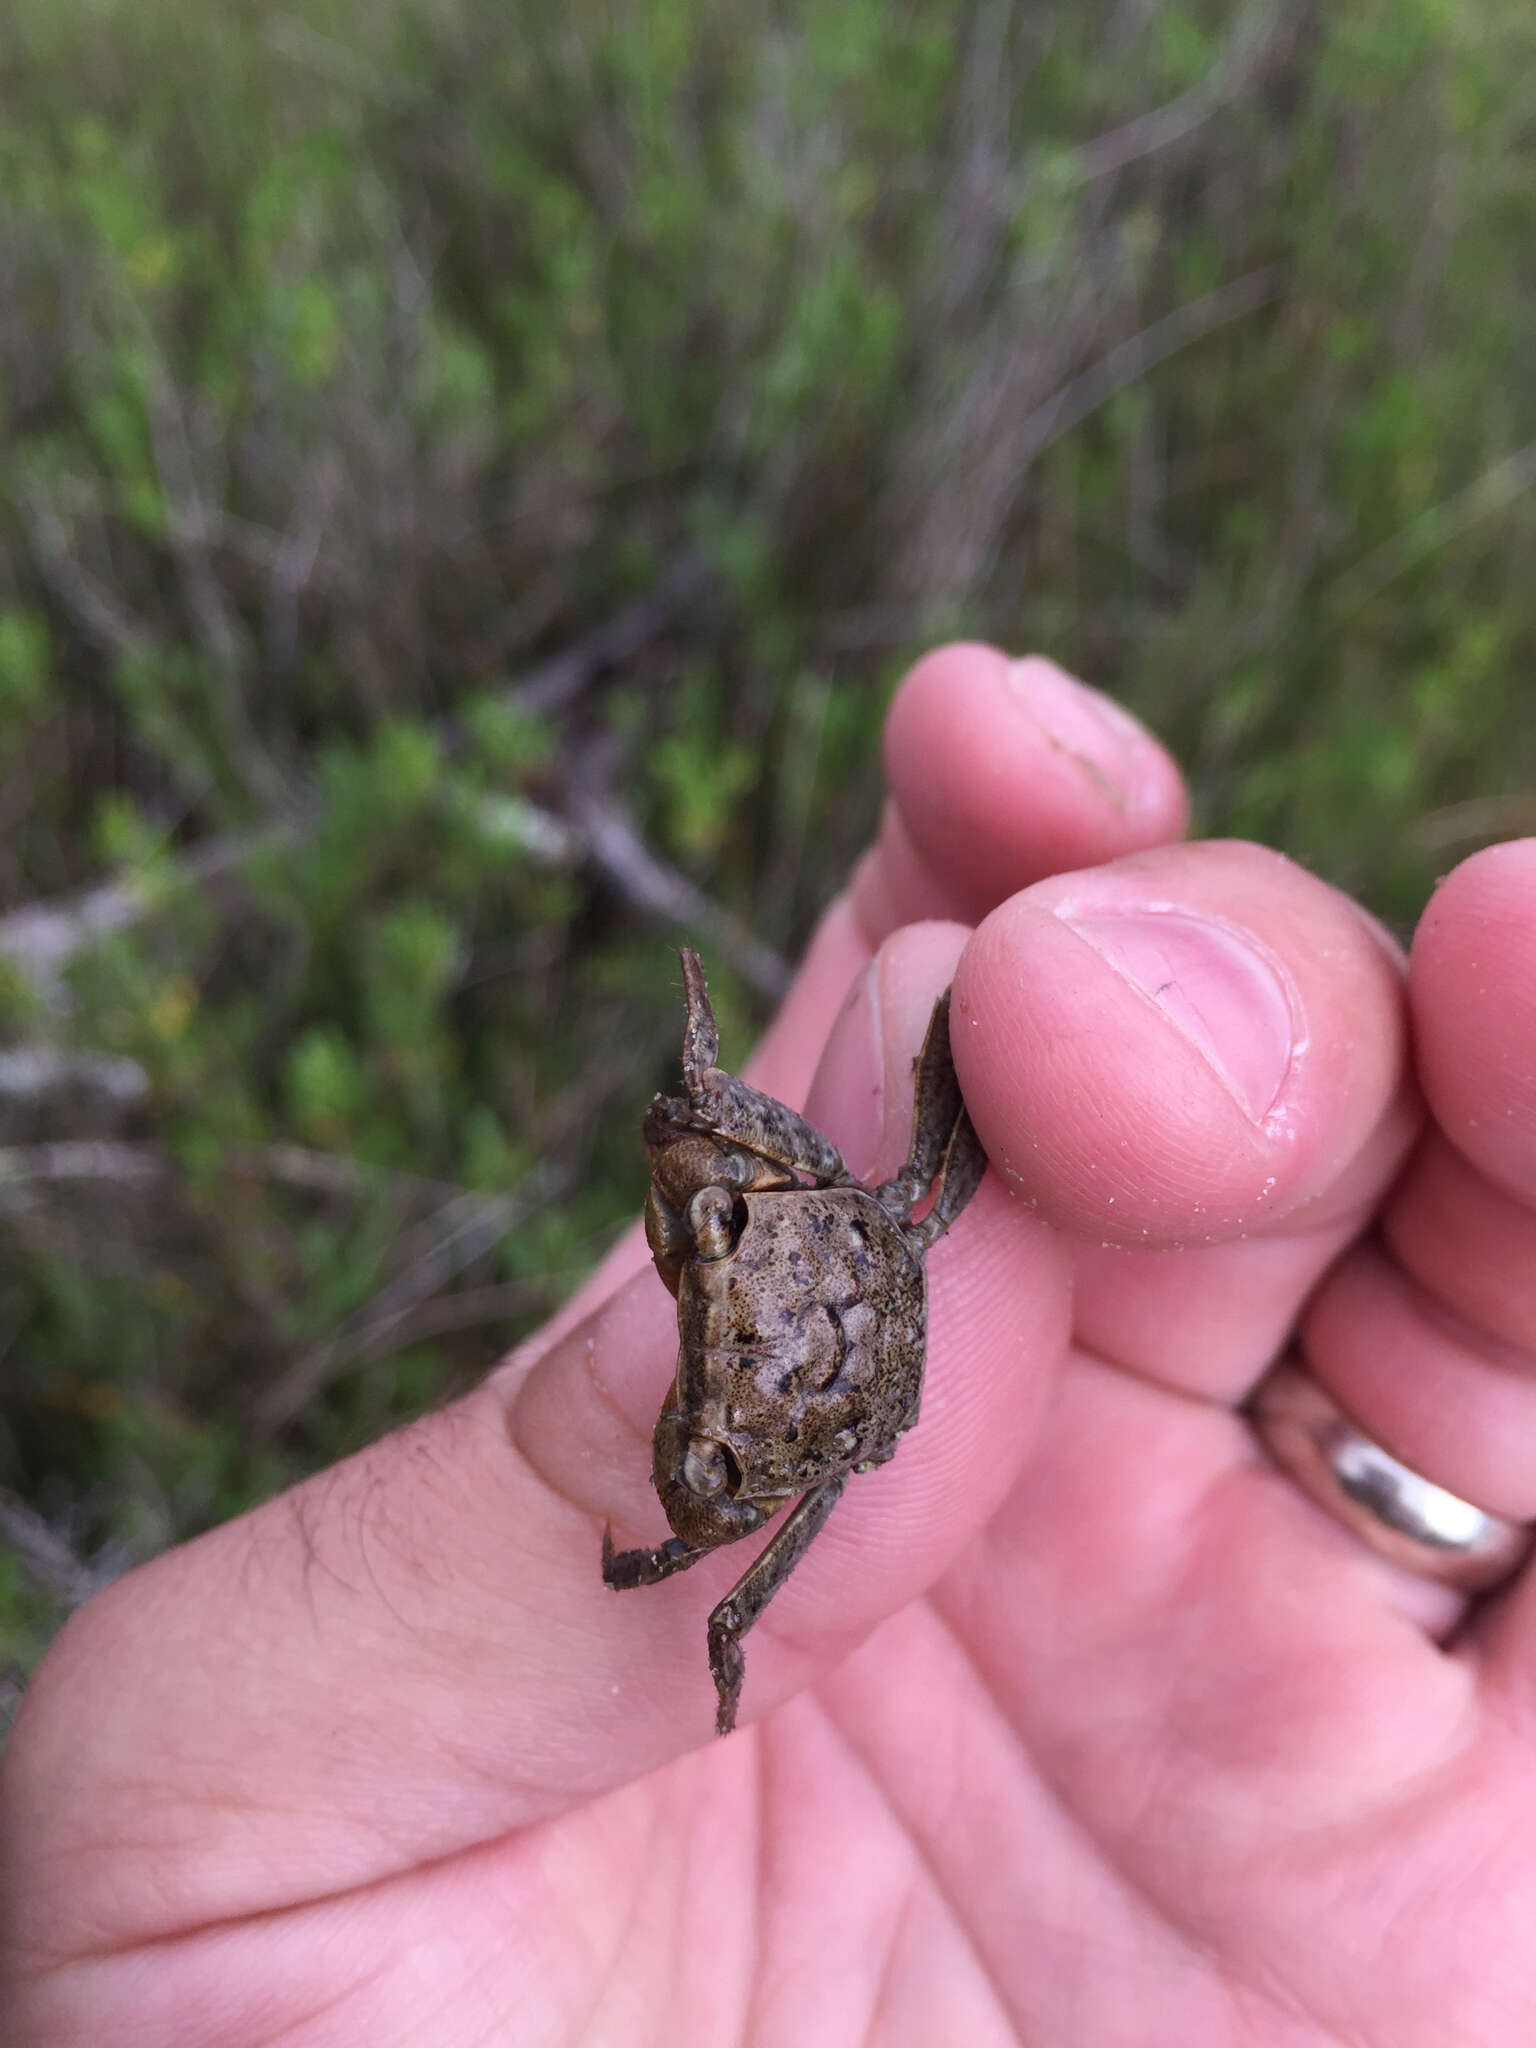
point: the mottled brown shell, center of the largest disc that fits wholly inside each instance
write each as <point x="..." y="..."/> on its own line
<point x="802" y="1349"/>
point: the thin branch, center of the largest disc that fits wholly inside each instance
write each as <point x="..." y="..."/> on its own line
<point x="42" y="938"/>
<point x="1493" y="492"/>
<point x="1474" y="819"/>
<point x="1176" y="118"/>
<point x="314" y="53"/>
<point x="561" y="679"/>
<point x="334" y="1173"/>
<point x="30" y="1073"/>
<point x="411" y="1308"/>
<point x="1000" y="428"/>
<point x="94" y="610"/>
<point x="45" y="1555"/>
<point x="1130" y="360"/>
<point x="188" y="530"/>
<point x="292" y="562"/>
<point x="463" y="1231"/>
<point x="295" y="1166"/>
<point x="442" y="1315"/>
<point x="614" y="845"/>
<point x="78" y="1159"/>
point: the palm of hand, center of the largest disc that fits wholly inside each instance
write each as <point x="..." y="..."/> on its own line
<point x="1152" y="1762"/>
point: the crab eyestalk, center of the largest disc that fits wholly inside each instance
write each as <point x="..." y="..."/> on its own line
<point x="710" y="1216"/>
<point x="697" y="1478"/>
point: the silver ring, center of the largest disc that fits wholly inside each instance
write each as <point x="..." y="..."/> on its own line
<point x="1402" y="1515"/>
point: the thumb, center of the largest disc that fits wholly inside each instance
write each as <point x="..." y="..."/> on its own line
<point x="414" y="1652"/>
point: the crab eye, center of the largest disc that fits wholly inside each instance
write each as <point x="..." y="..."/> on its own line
<point x="704" y="1467"/>
<point x="709" y="1222"/>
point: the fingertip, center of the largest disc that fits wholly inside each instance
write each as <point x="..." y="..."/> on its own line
<point x="1181" y="1048"/>
<point x="862" y="1093"/>
<point x="1004" y="770"/>
<point x="1099" y="1116"/>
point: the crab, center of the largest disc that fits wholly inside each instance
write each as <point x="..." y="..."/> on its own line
<point x="801" y="1311"/>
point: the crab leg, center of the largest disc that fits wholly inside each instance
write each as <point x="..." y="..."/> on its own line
<point x="727" y="1108"/>
<point x="623" y="1569"/>
<point x="959" y="1177"/>
<point x="939" y="1125"/>
<point x="750" y="1595"/>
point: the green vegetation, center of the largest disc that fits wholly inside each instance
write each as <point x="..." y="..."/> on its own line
<point x="357" y="364"/>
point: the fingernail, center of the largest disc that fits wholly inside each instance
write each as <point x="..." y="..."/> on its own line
<point x="862" y="1094"/>
<point x="1222" y="990"/>
<point x="1103" y="740"/>
<point x="846" y="1099"/>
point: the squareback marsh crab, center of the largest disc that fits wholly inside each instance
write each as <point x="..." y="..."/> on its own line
<point x="801" y="1311"/>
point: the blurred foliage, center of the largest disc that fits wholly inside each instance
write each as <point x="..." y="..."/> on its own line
<point x="357" y="362"/>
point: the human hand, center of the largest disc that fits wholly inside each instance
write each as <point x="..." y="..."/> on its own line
<point x="1079" y="1724"/>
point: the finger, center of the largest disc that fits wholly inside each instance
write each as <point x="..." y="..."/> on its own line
<point x="415" y="1651"/>
<point x="1428" y="1339"/>
<point x="1001" y="772"/>
<point x="1194" y="1062"/>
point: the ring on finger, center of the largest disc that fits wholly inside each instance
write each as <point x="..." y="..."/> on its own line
<point x="1400" y="1514"/>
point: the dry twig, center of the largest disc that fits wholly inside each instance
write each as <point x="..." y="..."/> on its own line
<point x="461" y="1232"/>
<point x="1160" y="126"/>
<point x="45" y="1555"/>
<point x="42" y="938"/>
<point x="32" y="1073"/>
